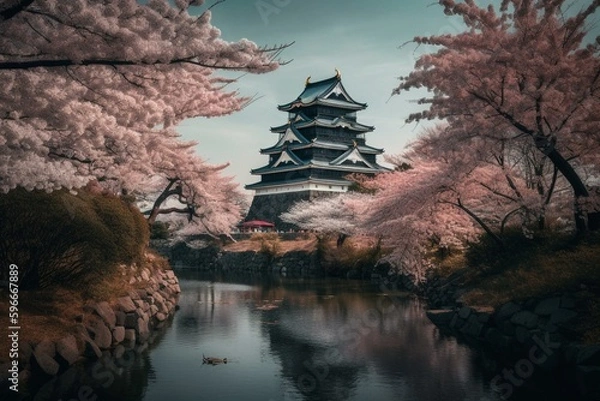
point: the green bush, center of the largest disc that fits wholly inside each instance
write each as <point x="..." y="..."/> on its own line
<point x="159" y="230"/>
<point x="61" y="238"/>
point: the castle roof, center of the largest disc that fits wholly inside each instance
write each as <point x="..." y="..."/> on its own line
<point x="317" y="143"/>
<point x="336" y="122"/>
<point x="349" y="162"/>
<point x="328" y="92"/>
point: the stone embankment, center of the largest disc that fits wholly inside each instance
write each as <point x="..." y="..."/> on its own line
<point x="106" y="328"/>
<point x="212" y="258"/>
<point x="534" y="332"/>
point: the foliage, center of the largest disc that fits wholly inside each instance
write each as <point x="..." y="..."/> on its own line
<point x="159" y="230"/>
<point x="452" y="193"/>
<point x="59" y="237"/>
<point x="410" y="214"/>
<point x="93" y="91"/>
<point x="357" y="254"/>
<point x="335" y="214"/>
<point x="537" y="268"/>
<point x="270" y="243"/>
<point x="528" y="70"/>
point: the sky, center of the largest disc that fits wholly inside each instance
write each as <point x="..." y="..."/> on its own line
<point x="363" y="39"/>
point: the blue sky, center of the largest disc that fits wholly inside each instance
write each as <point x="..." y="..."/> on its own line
<point x="360" y="38"/>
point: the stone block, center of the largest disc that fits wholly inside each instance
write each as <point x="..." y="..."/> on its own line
<point x="464" y="312"/>
<point x="473" y="327"/>
<point x="120" y="318"/>
<point x="562" y="316"/>
<point x="118" y="334"/>
<point x="126" y="304"/>
<point x="107" y="314"/>
<point x="440" y="317"/>
<point x="525" y="318"/>
<point x="547" y="306"/>
<point x="67" y="349"/>
<point x="508" y="328"/>
<point x="142" y="331"/>
<point x="506" y="311"/>
<point x="46" y="347"/>
<point x="118" y="351"/>
<point x="45" y="363"/>
<point x="100" y="333"/>
<point x="130" y="335"/>
<point x="91" y="350"/>
<point x="131" y="320"/>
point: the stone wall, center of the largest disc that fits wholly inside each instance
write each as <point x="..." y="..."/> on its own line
<point x="294" y="264"/>
<point x="207" y="256"/>
<point x="526" y="335"/>
<point x="103" y="328"/>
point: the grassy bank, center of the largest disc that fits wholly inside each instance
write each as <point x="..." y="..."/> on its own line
<point x="537" y="268"/>
<point x="70" y="249"/>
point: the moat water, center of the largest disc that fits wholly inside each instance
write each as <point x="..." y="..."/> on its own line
<point x="290" y="339"/>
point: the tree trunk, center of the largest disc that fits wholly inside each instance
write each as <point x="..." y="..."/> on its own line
<point x="579" y="189"/>
<point x="481" y="223"/>
<point x="167" y="192"/>
<point x="340" y="240"/>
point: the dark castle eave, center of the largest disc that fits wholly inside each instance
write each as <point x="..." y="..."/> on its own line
<point x="321" y="122"/>
<point x="319" y="181"/>
<point x="316" y="165"/>
<point x="323" y="102"/>
<point x="320" y="145"/>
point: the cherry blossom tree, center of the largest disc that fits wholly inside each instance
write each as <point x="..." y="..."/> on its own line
<point x="337" y="214"/>
<point x="529" y="69"/>
<point x="414" y="210"/>
<point x="510" y="177"/>
<point x="93" y="90"/>
<point x="446" y="191"/>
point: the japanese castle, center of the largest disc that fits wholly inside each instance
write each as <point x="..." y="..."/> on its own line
<point x="320" y="144"/>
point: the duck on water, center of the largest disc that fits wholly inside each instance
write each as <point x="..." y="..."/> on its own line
<point x="213" y="361"/>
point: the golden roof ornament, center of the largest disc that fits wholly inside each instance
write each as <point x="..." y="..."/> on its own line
<point x="338" y="74"/>
<point x="307" y="81"/>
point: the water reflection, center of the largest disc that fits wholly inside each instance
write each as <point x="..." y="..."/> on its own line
<point x="302" y="339"/>
<point x="287" y="339"/>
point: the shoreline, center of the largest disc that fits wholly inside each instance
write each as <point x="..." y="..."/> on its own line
<point x="103" y="329"/>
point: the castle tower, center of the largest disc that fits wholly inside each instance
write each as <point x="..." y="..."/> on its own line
<point x="320" y="144"/>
